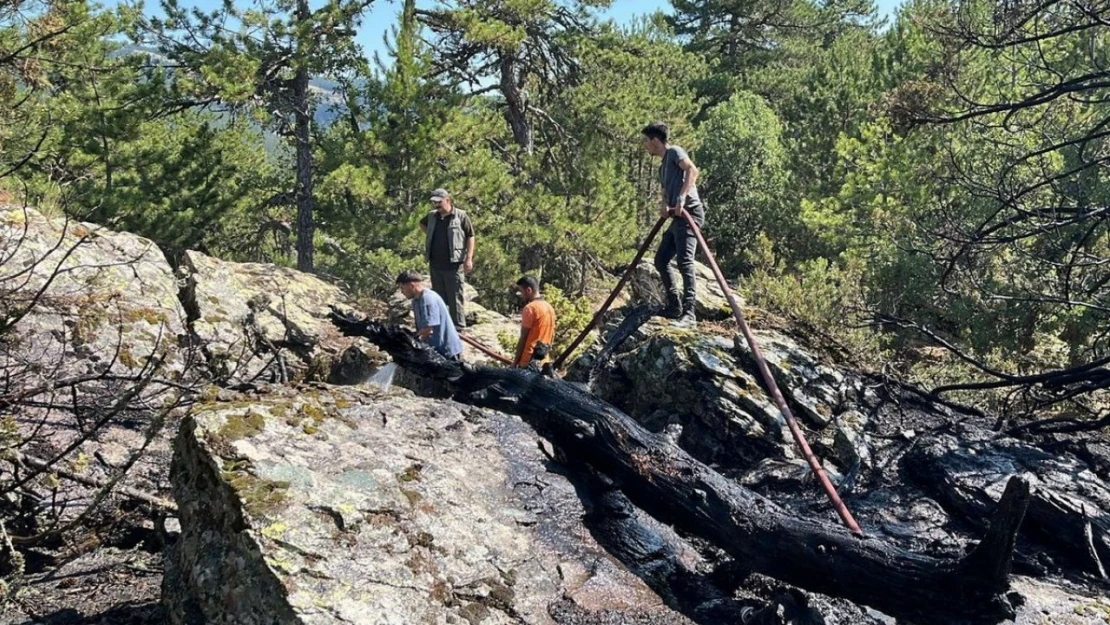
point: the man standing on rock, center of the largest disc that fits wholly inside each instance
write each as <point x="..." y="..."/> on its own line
<point x="433" y="320"/>
<point x="537" y="325"/>
<point x="677" y="175"/>
<point x="449" y="250"/>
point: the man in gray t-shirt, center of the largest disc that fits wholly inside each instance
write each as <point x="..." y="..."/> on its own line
<point x="433" y="318"/>
<point x="677" y="175"/>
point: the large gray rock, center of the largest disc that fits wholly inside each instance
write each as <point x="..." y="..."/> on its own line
<point x="668" y="377"/>
<point x="1047" y="603"/>
<point x="108" y="299"/>
<point x="344" y="506"/>
<point x="710" y="386"/>
<point x="817" y="392"/>
<point x="88" y="308"/>
<point x="262" y="322"/>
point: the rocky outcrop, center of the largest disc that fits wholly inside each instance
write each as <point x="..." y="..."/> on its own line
<point x="341" y="506"/>
<point x="904" y="467"/>
<point x="668" y="484"/>
<point x="706" y="386"/>
<point x="93" y="351"/>
<point x="106" y="301"/>
<point x="265" y="323"/>
<point x="109" y="301"/>
<point x="321" y="504"/>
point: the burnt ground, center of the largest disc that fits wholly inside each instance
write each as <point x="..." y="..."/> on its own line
<point x="106" y="586"/>
<point x="112" y="573"/>
<point x="108" y="571"/>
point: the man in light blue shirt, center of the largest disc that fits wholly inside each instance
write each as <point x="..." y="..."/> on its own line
<point x="433" y="318"/>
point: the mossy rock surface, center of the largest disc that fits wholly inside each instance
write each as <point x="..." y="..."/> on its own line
<point x="335" y="505"/>
<point x="109" y="299"/>
<point x="243" y="312"/>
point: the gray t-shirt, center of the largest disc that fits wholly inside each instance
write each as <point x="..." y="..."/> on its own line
<point x="430" y="311"/>
<point x="672" y="178"/>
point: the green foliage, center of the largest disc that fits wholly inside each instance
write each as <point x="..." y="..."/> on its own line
<point x="260" y="61"/>
<point x="745" y="178"/>
<point x="187" y="185"/>
<point x="240" y="53"/>
<point x="931" y="172"/>
<point x="824" y="297"/>
<point x="573" y="314"/>
<point x="750" y="43"/>
<point x="85" y="134"/>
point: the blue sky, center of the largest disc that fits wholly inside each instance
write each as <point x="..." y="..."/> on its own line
<point x="383" y="14"/>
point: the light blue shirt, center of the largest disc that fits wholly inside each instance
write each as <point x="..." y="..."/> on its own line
<point x="431" y="312"/>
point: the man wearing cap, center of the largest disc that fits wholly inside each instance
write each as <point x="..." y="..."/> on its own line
<point x="449" y="250"/>
<point x="433" y="322"/>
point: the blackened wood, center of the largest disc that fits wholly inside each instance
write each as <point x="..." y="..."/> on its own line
<point x="670" y="485"/>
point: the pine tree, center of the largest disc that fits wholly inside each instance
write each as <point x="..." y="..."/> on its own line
<point x="262" y="60"/>
<point x="516" y="47"/>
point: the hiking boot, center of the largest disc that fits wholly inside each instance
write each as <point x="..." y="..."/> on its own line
<point x="686" y="320"/>
<point x="674" y="307"/>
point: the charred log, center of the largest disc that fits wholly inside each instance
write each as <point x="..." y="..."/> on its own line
<point x="670" y="485"/>
<point x="616" y="525"/>
<point x="632" y="322"/>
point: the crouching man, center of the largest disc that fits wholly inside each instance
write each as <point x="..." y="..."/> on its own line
<point x="537" y="326"/>
<point x="433" y="319"/>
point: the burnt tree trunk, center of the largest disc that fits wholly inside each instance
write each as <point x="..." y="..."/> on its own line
<point x="670" y="485"/>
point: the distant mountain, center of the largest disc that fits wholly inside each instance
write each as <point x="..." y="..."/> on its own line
<point x="330" y="101"/>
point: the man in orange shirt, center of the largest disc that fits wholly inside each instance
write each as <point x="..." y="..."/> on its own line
<point x="537" y="325"/>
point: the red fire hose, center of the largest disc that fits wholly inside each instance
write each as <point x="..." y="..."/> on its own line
<point x="769" y="381"/>
<point x="761" y="363"/>
<point x="485" y="350"/>
<point x="764" y="371"/>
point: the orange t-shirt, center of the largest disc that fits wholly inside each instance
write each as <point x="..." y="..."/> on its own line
<point x="539" y="319"/>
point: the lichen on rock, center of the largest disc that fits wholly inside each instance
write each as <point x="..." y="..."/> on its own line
<point x="396" y="509"/>
<point x="108" y="299"/>
<point x="262" y="322"/>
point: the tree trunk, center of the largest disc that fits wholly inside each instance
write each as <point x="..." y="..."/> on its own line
<point x="306" y="227"/>
<point x="516" y="108"/>
<point x="669" y="484"/>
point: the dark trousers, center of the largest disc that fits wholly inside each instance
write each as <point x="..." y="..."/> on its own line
<point x="678" y="243"/>
<point x="448" y="283"/>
